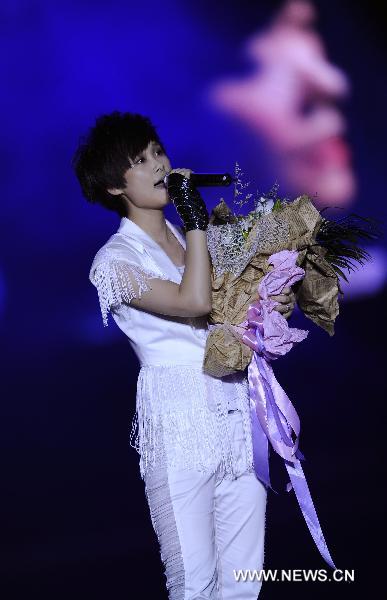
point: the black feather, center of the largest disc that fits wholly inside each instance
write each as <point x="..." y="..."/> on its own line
<point x="342" y="237"/>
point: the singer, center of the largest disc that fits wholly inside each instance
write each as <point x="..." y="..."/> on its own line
<point x="191" y="431"/>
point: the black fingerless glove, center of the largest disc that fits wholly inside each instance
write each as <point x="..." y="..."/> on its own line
<point x="187" y="201"/>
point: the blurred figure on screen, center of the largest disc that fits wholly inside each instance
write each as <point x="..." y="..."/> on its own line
<point x="289" y="100"/>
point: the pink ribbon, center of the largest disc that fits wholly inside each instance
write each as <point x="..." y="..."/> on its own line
<point x="273" y="416"/>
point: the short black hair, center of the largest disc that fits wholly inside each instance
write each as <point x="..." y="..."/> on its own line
<point x="102" y="157"/>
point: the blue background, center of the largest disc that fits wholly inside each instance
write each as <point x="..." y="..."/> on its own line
<point x="74" y="519"/>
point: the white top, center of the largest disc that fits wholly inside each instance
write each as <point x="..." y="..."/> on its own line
<point x="181" y="412"/>
<point x="156" y="339"/>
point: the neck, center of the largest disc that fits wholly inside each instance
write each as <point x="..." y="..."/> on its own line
<point x="152" y="222"/>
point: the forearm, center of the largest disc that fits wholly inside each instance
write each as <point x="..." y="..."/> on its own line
<point x="196" y="280"/>
<point x="195" y="287"/>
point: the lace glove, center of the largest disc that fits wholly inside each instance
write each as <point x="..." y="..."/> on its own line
<point x="187" y="201"/>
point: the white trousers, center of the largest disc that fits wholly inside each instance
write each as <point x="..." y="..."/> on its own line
<point x="208" y="526"/>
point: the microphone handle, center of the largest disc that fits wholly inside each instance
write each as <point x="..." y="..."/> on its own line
<point x="209" y="179"/>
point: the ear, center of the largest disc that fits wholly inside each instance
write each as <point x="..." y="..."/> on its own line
<point x="114" y="191"/>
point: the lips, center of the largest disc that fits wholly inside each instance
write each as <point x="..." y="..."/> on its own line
<point x="160" y="181"/>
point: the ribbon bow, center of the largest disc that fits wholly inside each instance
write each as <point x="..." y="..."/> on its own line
<point x="273" y="416"/>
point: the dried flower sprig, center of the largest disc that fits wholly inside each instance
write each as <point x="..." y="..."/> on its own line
<point x="263" y="202"/>
<point x="340" y="237"/>
<point x="239" y="185"/>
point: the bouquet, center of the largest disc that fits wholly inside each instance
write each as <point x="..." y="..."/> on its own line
<point x="241" y="248"/>
<point x="280" y="243"/>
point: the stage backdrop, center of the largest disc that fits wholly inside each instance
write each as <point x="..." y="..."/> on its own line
<point x="295" y="93"/>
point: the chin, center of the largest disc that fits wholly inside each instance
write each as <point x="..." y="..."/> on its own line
<point x="162" y="203"/>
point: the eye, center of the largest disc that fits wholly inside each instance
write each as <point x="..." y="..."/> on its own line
<point x="141" y="158"/>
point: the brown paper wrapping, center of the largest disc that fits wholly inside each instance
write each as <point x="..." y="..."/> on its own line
<point x="316" y="294"/>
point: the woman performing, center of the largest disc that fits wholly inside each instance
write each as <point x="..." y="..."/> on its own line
<point x="192" y="431"/>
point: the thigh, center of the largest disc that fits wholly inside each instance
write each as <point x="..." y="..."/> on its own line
<point x="240" y="516"/>
<point x="181" y="503"/>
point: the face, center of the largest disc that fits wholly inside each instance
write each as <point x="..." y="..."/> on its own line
<point x="146" y="169"/>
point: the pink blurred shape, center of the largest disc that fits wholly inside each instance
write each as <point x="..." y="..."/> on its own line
<point x="289" y="100"/>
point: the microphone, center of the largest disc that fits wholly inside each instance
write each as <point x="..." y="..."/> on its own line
<point x="208" y="179"/>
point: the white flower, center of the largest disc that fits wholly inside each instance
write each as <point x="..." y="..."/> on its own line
<point x="264" y="206"/>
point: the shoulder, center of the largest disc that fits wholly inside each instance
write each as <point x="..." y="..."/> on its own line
<point x="114" y="268"/>
<point x="117" y="249"/>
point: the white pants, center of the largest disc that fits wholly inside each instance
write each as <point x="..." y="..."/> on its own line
<point x="208" y="526"/>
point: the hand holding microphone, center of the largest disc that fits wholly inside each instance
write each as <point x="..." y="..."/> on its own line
<point x="186" y="199"/>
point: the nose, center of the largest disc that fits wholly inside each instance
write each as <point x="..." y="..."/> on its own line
<point x="158" y="166"/>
